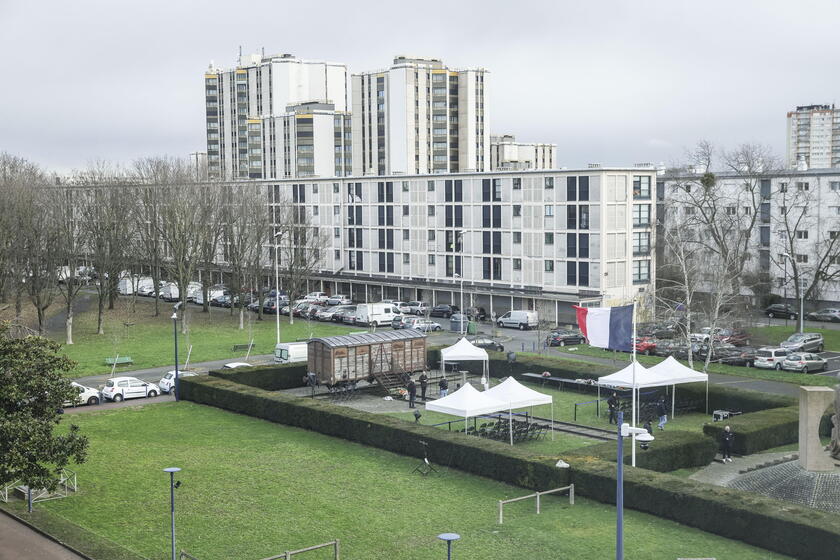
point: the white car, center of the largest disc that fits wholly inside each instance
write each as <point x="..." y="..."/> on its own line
<point x="339" y="299"/>
<point x="234" y="365"/>
<point x="87" y="395"/>
<point x="316" y="297"/>
<point x="167" y="382"/>
<point x="119" y="388"/>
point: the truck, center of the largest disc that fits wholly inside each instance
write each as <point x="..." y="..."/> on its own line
<point x="211" y="293"/>
<point x="290" y="352"/>
<point x="170" y="292"/>
<point x="376" y="314"/>
<point x="387" y="357"/>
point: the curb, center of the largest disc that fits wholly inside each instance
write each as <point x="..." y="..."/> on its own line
<point x="45" y="534"/>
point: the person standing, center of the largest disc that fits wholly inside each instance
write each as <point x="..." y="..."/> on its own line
<point x="443" y="385"/>
<point x="424" y="382"/>
<point x="726" y="443"/>
<point x="612" y="404"/>
<point x="662" y="411"/>
<point x="412" y="392"/>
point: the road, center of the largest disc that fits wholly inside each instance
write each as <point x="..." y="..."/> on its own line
<point x="19" y="542"/>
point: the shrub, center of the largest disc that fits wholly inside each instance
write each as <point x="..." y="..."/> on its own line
<point x="670" y="451"/>
<point x="270" y="378"/>
<point x="764" y="429"/>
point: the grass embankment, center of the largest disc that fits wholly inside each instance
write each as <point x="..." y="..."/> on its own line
<point x="148" y="340"/>
<point x="270" y="488"/>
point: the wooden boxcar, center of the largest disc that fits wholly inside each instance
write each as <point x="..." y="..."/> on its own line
<point x="356" y="357"/>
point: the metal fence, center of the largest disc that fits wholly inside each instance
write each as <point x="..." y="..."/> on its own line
<point x="570" y="488"/>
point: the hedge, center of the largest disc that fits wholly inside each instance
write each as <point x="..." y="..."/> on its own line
<point x="670" y="451"/>
<point x="270" y="378"/>
<point x="784" y="528"/>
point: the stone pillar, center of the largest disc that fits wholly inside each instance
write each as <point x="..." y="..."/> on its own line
<point x="813" y="402"/>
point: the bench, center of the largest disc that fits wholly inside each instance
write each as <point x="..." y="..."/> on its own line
<point x="238" y="347"/>
<point x="122" y="360"/>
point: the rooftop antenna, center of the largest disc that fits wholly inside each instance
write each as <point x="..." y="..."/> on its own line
<point x="239" y="60"/>
<point x="263" y="52"/>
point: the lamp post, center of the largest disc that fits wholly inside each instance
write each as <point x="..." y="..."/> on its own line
<point x="641" y="435"/>
<point x="277" y="287"/>
<point x="784" y="282"/>
<point x="176" y="386"/>
<point x="461" y="309"/>
<point x="449" y="537"/>
<point x="172" y="486"/>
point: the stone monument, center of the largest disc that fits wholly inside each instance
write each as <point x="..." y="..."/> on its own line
<point x="812" y="404"/>
<point x="834" y="445"/>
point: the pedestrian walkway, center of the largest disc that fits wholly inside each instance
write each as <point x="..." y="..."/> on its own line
<point x="19" y="542"/>
<point x="721" y="474"/>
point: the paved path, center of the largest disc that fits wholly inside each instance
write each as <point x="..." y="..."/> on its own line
<point x="19" y="542"/>
<point x="721" y="474"/>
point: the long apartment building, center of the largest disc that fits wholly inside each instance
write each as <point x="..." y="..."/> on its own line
<point x="419" y="116"/>
<point x="813" y="137"/>
<point x="513" y="240"/>
<point x="506" y="154"/>
<point x="797" y="213"/>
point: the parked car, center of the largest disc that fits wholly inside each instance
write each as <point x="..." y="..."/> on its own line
<point x="342" y="312"/>
<point x="646" y="345"/>
<point x="423" y="325"/>
<point x="831" y="314"/>
<point x="339" y="299"/>
<point x="300" y="309"/>
<point x="520" y="319"/>
<point x="403" y="307"/>
<point x="804" y="342"/>
<point x="476" y="313"/>
<point x="770" y="358"/>
<point x="781" y="310"/>
<point x="399" y="321"/>
<point x="417" y="307"/>
<point x="666" y="347"/>
<point x="738" y="356"/>
<point x="86" y="395"/>
<point x="378" y="314"/>
<point x="659" y="331"/>
<point x="734" y="336"/>
<point x="316" y="296"/>
<point x="486" y="343"/>
<point x="326" y="314"/>
<point x="119" y="388"/>
<point x="564" y="337"/>
<point x="167" y="382"/>
<point x="444" y="310"/>
<point x="804" y="362"/>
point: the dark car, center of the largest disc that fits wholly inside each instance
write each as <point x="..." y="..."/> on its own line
<point x="734" y="336"/>
<point x="476" y="313"/>
<point x="343" y="313"/>
<point x="220" y="301"/>
<point x="781" y="310"/>
<point x="727" y="354"/>
<point x="486" y="343"/>
<point x="444" y="310"/>
<point x="564" y="338"/>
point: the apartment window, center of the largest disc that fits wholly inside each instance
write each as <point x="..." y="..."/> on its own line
<point x="405" y="186"/>
<point x="802" y="259"/>
<point x="431" y="210"/>
<point x="430" y="186"/>
<point x="497" y="190"/>
<point x="336" y="188"/>
<point x="517" y="237"/>
<point x="571" y="216"/>
<point x="834" y="210"/>
<point x="641" y="272"/>
<point x="765" y="189"/>
<point x="405" y="235"/>
<point x="583" y="274"/>
<point x="583" y="188"/>
<point x="405" y="210"/>
<point x="834" y="259"/>
<point x="802" y="186"/>
<point x="336" y="232"/>
<point x="747" y="210"/>
<point x="571" y="273"/>
<point x="731" y="211"/>
<point x="336" y="210"/>
<point x="833" y="234"/>
<point x="431" y="235"/>
<point x="583" y="246"/>
<point x="689" y="210"/>
<point x="834" y="185"/>
<point x="517" y="210"/>
<point x="315" y="188"/>
<point x="641" y="243"/>
<point x="406" y="258"/>
<point x="337" y="254"/>
<point x="431" y="260"/>
<point x="802" y="234"/>
<point x="571" y="188"/>
<point x="782" y="210"/>
<point x="641" y="215"/>
<point x="517" y="264"/>
<point x="783" y="187"/>
<point x="641" y="187"/>
<point x="549" y="238"/>
<point x="549" y="182"/>
<point x="571" y="245"/>
<point x="549" y="266"/>
<point x="314" y="210"/>
<point x="549" y="211"/>
<point x="583" y="217"/>
<point x="517" y="183"/>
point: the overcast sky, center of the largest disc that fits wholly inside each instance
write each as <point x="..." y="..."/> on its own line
<point x="615" y="82"/>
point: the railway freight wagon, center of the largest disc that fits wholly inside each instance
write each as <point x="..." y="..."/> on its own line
<point x="386" y="356"/>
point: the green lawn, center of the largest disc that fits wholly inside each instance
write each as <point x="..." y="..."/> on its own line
<point x="148" y="340"/>
<point x="252" y="489"/>
<point x="774" y="335"/>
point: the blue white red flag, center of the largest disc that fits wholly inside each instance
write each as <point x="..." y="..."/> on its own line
<point x="607" y="327"/>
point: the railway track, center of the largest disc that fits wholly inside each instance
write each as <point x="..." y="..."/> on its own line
<point x="579" y="429"/>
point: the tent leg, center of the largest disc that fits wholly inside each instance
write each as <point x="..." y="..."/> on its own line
<point x="597" y="409"/>
<point x="510" y="425"/>
<point x="673" y="400"/>
<point x="552" y="419"/>
<point x="707" y="395"/>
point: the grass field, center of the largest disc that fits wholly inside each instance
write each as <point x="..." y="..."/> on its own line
<point x="148" y="340"/>
<point x="252" y="489"/>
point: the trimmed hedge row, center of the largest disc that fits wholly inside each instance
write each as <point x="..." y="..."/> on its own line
<point x="764" y="429"/>
<point x="670" y="451"/>
<point x="270" y="378"/>
<point x="792" y="530"/>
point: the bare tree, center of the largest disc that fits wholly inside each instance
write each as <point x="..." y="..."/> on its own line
<point x="153" y="175"/>
<point x="67" y="210"/>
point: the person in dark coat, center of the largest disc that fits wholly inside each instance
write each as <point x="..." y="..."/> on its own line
<point x="612" y="404"/>
<point x="412" y="392"/>
<point x="726" y="443"/>
<point x="424" y="382"/>
<point x="443" y="385"/>
<point x="662" y="411"/>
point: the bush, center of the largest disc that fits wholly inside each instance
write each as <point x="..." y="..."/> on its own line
<point x="764" y="429"/>
<point x="270" y="378"/>
<point x="670" y="451"/>
<point x="729" y="398"/>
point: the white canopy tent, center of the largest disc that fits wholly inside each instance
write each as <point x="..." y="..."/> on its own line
<point x="467" y="401"/>
<point x="516" y="395"/>
<point x="464" y="351"/>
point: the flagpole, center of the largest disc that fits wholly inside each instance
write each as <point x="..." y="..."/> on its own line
<point x="633" y="454"/>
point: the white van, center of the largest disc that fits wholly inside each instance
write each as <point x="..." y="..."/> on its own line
<point x="126" y="286"/>
<point x="521" y="320"/>
<point x="193" y="288"/>
<point x="211" y="293"/>
<point x="378" y="314"/>
<point x="170" y="292"/>
<point x="290" y="352"/>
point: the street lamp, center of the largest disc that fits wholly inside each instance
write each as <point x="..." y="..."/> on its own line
<point x="172" y="486"/>
<point x="176" y="386"/>
<point x="449" y="537"/>
<point x="277" y="287"/>
<point x="640" y="435"/>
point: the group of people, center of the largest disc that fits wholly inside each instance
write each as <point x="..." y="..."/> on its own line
<point x="411" y="386"/>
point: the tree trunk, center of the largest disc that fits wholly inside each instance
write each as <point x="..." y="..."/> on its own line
<point x="40" y="309"/>
<point x="112" y="292"/>
<point x="241" y="318"/>
<point x="18" y="305"/>
<point x="100" y="329"/>
<point x="68" y="322"/>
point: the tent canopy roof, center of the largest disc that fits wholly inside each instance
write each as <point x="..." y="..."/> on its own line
<point x="673" y="372"/>
<point x="517" y="395"/>
<point x="463" y="350"/>
<point x="467" y="401"/>
<point x="667" y="372"/>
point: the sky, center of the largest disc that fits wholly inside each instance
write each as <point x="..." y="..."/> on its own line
<point x="611" y="82"/>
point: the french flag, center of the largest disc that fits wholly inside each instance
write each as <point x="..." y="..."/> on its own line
<point x="607" y="327"/>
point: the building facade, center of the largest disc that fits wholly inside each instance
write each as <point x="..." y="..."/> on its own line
<point x="795" y="213"/>
<point x="419" y="117"/>
<point x="506" y="154"/>
<point x="243" y="105"/>
<point x="523" y="240"/>
<point x="813" y="137"/>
